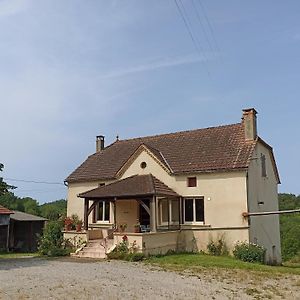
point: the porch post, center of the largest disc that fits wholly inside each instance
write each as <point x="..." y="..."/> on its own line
<point x="153" y="214"/>
<point x="86" y="217"/>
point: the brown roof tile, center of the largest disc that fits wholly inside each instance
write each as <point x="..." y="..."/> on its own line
<point x="137" y="185"/>
<point x="5" y="211"/>
<point x="211" y="149"/>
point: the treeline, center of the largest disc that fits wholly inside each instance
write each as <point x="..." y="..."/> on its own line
<point x="52" y="210"/>
<point x="290" y="227"/>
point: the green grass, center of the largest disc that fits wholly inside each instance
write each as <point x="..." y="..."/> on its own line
<point x="196" y="262"/>
<point x="17" y="255"/>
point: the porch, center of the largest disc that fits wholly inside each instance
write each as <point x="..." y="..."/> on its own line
<point x="141" y="207"/>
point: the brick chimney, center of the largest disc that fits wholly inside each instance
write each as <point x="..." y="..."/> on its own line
<point x="99" y="143"/>
<point x="250" y="124"/>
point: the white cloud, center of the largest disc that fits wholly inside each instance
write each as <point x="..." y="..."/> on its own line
<point x="154" y="65"/>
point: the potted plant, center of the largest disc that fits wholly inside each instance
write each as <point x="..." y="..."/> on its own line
<point x="137" y="227"/>
<point x="79" y="225"/>
<point x="122" y="227"/>
<point x="68" y="223"/>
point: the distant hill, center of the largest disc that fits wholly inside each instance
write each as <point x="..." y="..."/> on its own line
<point x="51" y="210"/>
<point x="54" y="210"/>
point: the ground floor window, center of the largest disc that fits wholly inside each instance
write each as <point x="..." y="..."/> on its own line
<point x="168" y="211"/>
<point x="194" y="210"/>
<point x="103" y="211"/>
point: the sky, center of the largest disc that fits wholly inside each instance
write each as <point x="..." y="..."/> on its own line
<point x="71" y="70"/>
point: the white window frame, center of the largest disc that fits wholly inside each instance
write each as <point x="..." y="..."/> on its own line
<point x="170" y="213"/>
<point x="103" y="212"/>
<point x="194" y="211"/>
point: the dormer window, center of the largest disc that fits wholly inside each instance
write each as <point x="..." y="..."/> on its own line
<point x="192" y="181"/>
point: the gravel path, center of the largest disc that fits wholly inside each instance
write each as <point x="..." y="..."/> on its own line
<point x="37" y="278"/>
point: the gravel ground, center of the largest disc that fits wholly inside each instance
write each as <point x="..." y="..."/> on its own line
<point x="37" y="278"/>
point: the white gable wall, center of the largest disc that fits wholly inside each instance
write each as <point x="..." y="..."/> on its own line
<point x="264" y="230"/>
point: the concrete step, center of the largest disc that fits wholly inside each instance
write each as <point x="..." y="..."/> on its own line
<point x="92" y="254"/>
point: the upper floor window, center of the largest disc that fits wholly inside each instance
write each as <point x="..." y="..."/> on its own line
<point x="194" y="210"/>
<point x="263" y="165"/>
<point x="192" y="181"/>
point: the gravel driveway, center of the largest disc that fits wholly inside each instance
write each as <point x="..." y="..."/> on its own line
<point x="37" y="278"/>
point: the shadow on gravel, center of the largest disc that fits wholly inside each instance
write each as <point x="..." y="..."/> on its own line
<point x="26" y="262"/>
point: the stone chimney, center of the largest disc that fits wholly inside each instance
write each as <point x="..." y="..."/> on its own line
<point x="249" y="122"/>
<point x="99" y="143"/>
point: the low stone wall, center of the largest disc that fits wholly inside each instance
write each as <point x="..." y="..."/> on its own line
<point x="75" y="238"/>
<point x="153" y="242"/>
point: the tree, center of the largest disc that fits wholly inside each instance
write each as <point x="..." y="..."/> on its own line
<point x="4" y="187"/>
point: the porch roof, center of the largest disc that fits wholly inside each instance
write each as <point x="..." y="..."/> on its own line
<point x="134" y="186"/>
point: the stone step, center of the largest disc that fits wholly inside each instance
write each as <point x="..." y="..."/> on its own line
<point x="92" y="254"/>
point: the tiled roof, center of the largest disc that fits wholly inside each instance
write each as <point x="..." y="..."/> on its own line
<point x="5" y="211"/>
<point x="134" y="186"/>
<point x="222" y="148"/>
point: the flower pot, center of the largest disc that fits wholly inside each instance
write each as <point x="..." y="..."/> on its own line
<point x="78" y="227"/>
<point x="137" y="229"/>
<point x="68" y="227"/>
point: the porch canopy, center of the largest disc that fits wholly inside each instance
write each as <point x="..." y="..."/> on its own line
<point x="135" y="187"/>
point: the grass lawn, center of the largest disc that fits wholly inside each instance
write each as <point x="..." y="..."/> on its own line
<point x="198" y="262"/>
<point x="17" y="255"/>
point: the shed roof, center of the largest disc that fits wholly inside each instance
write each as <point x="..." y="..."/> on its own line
<point x="21" y="216"/>
<point x="5" y="211"/>
<point x="134" y="186"/>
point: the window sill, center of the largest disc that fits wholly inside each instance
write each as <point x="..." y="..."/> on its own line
<point x="195" y="225"/>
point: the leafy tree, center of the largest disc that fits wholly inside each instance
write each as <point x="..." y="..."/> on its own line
<point x="289" y="226"/>
<point x="4" y="187"/>
<point x="54" y="210"/>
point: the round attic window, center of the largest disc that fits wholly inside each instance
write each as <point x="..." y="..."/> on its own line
<point x="143" y="165"/>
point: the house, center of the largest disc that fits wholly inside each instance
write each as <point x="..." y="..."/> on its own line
<point x="24" y="231"/>
<point x="184" y="189"/>
<point x="4" y="227"/>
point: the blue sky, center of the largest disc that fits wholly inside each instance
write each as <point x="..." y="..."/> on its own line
<point x="71" y="70"/>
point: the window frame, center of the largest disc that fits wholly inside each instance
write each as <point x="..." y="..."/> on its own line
<point x="102" y="220"/>
<point x="170" y="214"/>
<point x="191" y="179"/>
<point x="195" y="222"/>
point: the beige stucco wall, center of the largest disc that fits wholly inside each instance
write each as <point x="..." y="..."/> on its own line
<point x="225" y="196"/>
<point x="75" y="205"/>
<point x="127" y="212"/>
<point x="264" y="230"/>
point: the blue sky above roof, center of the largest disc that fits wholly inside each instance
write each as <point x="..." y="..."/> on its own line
<point x="71" y="70"/>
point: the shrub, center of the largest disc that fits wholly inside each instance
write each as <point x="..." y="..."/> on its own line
<point x="218" y="247"/>
<point x="123" y="252"/>
<point x="52" y="243"/>
<point x="249" y="252"/>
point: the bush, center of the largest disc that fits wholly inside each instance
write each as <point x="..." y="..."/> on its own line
<point x="249" y="252"/>
<point x="218" y="247"/>
<point x="123" y="252"/>
<point x="52" y="242"/>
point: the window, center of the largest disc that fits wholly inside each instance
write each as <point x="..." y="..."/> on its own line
<point x="194" y="210"/>
<point x="143" y="165"/>
<point x="263" y="165"/>
<point x="103" y="211"/>
<point x="192" y="181"/>
<point x="168" y="211"/>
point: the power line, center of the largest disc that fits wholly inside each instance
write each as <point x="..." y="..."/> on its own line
<point x="33" y="181"/>
<point x="182" y="13"/>
<point x="209" y="25"/>
<point x="202" y="26"/>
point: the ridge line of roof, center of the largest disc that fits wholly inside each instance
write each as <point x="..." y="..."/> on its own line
<point x="171" y="133"/>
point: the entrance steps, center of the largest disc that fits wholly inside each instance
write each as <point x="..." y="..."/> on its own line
<point x="95" y="249"/>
